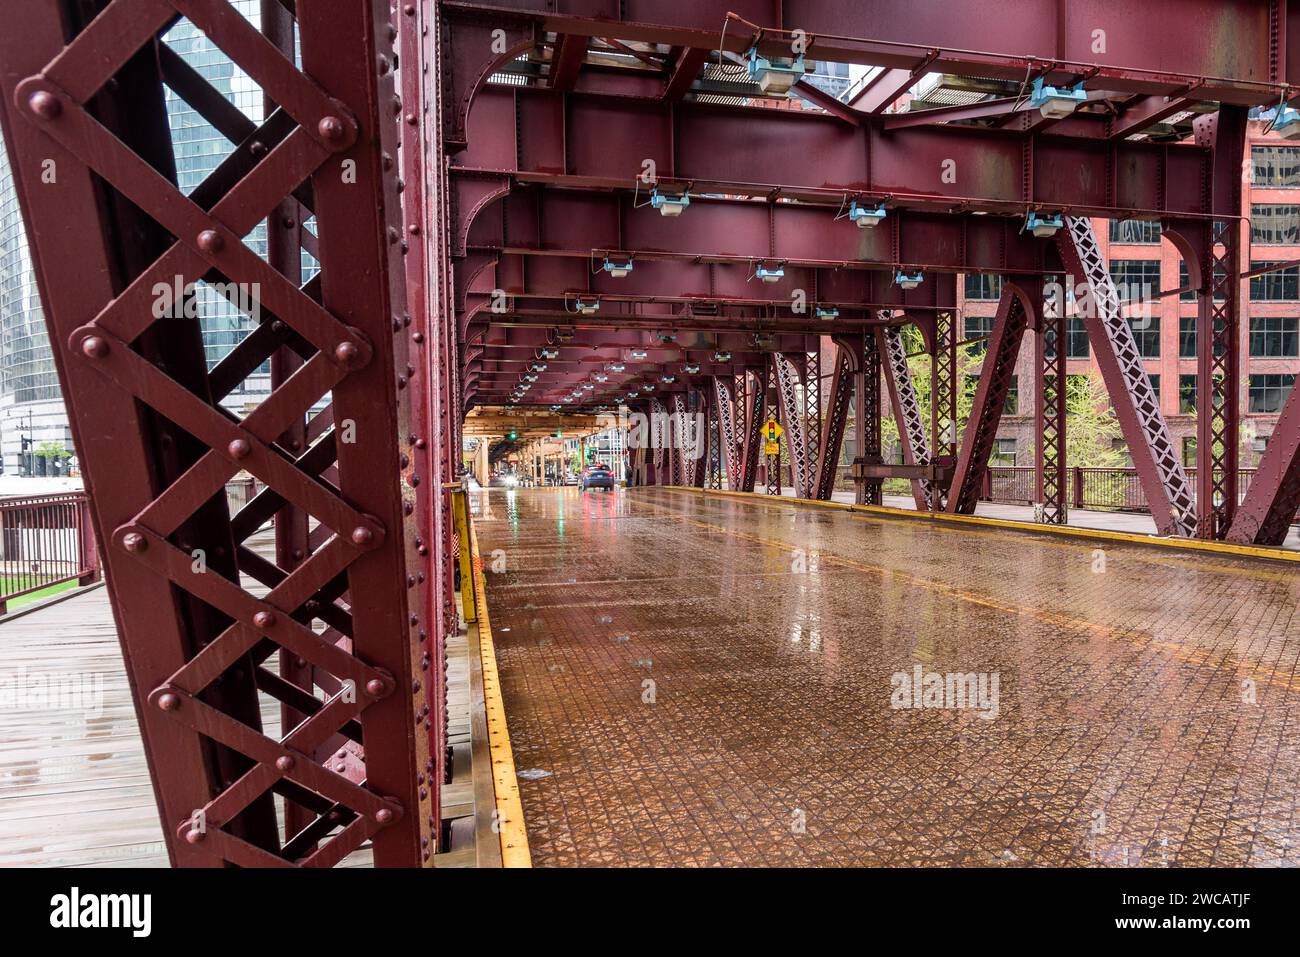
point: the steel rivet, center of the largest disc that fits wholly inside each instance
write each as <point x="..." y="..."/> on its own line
<point x="375" y="687"/>
<point x="45" y="104"/>
<point x="383" y="815"/>
<point x="194" y="835"/>
<point x="264" y="619"/>
<point x="239" y="448"/>
<point x="134" y="542"/>
<point x="284" y="763"/>
<point x="210" y="241"/>
<point x="346" y="352"/>
<point x="94" y="347"/>
<point x="362" y="535"/>
<point x="330" y="129"/>
<point x="169" y="702"/>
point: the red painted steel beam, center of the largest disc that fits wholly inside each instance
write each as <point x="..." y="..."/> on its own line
<point x="594" y="141"/>
<point x="541" y="221"/>
<point x="566" y="60"/>
<point x="1239" y="52"/>
<point x="1015" y="311"/>
<point x="1147" y="111"/>
<point x="686" y="68"/>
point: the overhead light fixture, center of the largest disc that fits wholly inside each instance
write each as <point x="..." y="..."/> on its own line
<point x="586" y="387"/>
<point x="538" y="367"/>
<point x="555" y="408"/>
<point x="722" y="357"/>
<point x="775" y="76"/>
<point x="530" y="376"/>
<point x="773" y="274"/>
<point x="615" y="366"/>
<point x="1044" y="227"/>
<point x="864" y="216"/>
<point x="669" y="204"/>
<point x="568" y="398"/>
<point x="826" y="312"/>
<point x="668" y="378"/>
<point x="638" y="353"/>
<point x="587" y="306"/>
<point x="1056" y="103"/>
<point x="600" y="377"/>
<point x="690" y="368"/>
<point x="550" y="352"/>
<point x="908" y="280"/>
<point x="1287" y="123"/>
<point x="648" y="387"/>
<point x="616" y="267"/>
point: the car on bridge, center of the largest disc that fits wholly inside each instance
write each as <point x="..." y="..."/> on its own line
<point x="597" y="476"/>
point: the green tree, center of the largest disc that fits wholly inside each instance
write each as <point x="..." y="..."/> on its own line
<point x="52" y="450"/>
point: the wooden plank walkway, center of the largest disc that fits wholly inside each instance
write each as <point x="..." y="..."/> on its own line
<point x="74" y="784"/>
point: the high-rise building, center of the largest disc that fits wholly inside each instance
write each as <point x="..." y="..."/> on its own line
<point x="32" y="416"/>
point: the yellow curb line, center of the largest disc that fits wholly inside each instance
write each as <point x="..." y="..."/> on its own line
<point x="510" y="809"/>
<point x="1182" y="544"/>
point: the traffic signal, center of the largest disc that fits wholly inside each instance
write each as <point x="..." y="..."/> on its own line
<point x="513" y="435"/>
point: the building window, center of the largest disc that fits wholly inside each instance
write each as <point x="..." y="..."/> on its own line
<point x="1187" y="394"/>
<point x="1273" y="337"/>
<point x="978" y="327"/>
<point x="1135" y="279"/>
<point x="1189" y="451"/>
<point x="1187" y="337"/>
<point x="1260" y="443"/>
<point x="1155" y="384"/>
<point x="1012" y="405"/>
<point x="1281" y="285"/>
<point x="1274" y="224"/>
<point x="1268" y="392"/>
<point x="1184" y="282"/>
<point x="1005" y="452"/>
<point x="1275" y="167"/>
<point x="983" y="287"/>
<point x="1146" y="333"/>
<point x="1076" y="338"/>
<point x="1135" y="231"/>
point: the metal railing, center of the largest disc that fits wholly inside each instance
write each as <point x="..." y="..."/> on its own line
<point x="45" y="540"/>
<point x="1103" y="489"/>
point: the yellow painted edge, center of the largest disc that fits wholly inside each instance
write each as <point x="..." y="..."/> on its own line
<point x="1183" y="544"/>
<point x="468" y="582"/>
<point x="510" y="808"/>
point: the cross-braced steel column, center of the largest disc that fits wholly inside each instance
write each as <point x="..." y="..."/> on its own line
<point x="1051" y="484"/>
<point x="753" y="386"/>
<point x="867" y="419"/>
<point x="796" y="427"/>
<point x="907" y="413"/>
<point x="727" y="443"/>
<point x="943" y="385"/>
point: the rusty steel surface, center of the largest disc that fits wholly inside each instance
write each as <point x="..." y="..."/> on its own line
<point x="1146" y="713"/>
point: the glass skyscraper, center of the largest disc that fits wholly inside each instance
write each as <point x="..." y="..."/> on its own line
<point x="32" y="416"/>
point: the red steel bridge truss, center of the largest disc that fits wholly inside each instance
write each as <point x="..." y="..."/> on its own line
<point x="462" y="173"/>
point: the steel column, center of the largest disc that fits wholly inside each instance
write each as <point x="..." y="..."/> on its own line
<point x="907" y="415"/>
<point x="1051" y="391"/>
<point x="837" y="413"/>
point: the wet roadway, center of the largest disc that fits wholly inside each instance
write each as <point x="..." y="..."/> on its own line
<point x="700" y="680"/>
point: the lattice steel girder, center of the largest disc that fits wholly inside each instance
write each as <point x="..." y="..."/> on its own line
<point x="1234" y="52"/>
<point x="907" y="413"/>
<point x="727" y="428"/>
<point x="1269" y="507"/>
<point x="535" y="221"/>
<point x="1158" y="464"/>
<point x="1051" y="486"/>
<point x="603" y="142"/>
<point x="157" y="451"/>
<point x="788" y="380"/>
<point x="1015" y="309"/>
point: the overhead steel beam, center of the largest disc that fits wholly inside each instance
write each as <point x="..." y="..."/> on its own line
<point x="538" y="221"/>
<point x="595" y="141"/>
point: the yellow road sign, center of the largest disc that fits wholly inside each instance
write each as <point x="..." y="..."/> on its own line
<point x="772" y="430"/>
<point x="772" y="448"/>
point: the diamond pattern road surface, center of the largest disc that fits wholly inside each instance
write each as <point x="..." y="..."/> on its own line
<point x="703" y="680"/>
